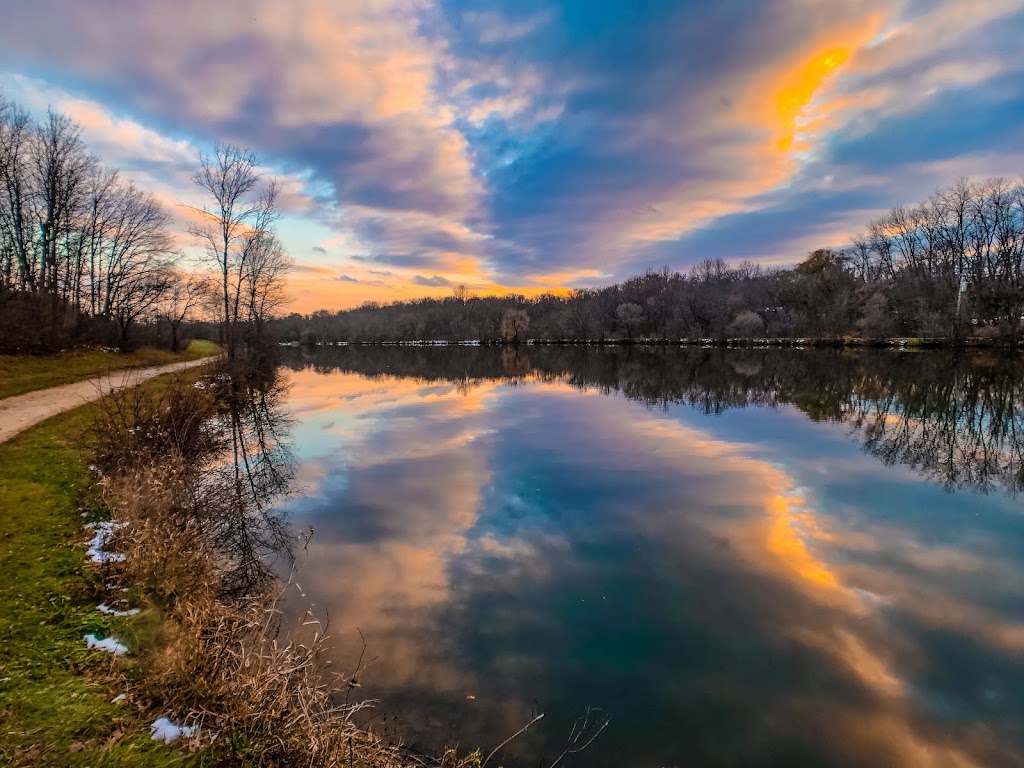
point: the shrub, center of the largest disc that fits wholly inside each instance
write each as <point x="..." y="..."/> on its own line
<point x="140" y="425"/>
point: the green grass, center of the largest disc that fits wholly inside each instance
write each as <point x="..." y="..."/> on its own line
<point x="55" y="696"/>
<point x="27" y="373"/>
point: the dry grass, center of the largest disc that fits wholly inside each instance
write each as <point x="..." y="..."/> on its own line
<point x="139" y="426"/>
<point x="271" y="702"/>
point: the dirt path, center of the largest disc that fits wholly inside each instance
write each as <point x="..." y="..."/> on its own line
<point x="22" y="411"/>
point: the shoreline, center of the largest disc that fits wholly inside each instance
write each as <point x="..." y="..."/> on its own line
<point x="739" y="343"/>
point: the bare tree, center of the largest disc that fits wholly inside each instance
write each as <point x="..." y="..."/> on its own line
<point x="186" y="293"/>
<point x="630" y="316"/>
<point x="233" y="224"/>
<point x="746" y="325"/>
<point x="17" y="224"/>
<point x="513" y="324"/>
<point x="139" y="295"/>
<point x="265" y="269"/>
<point x="60" y="168"/>
<point x="98" y="221"/>
<point x="135" y="258"/>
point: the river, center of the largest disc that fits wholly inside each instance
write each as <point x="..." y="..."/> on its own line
<point x="711" y="556"/>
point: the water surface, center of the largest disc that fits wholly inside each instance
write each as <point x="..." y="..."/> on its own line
<point x="781" y="557"/>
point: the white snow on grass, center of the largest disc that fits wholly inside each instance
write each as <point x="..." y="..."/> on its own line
<point x="166" y="731"/>
<point x="119" y="698"/>
<point x="108" y="644"/>
<point x="97" y="545"/>
<point x="106" y="609"/>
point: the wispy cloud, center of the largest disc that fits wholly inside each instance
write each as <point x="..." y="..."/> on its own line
<point x="356" y="280"/>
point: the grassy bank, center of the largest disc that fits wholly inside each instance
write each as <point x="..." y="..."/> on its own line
<point x="27" y="373"/>
<point x="55" y="696"/>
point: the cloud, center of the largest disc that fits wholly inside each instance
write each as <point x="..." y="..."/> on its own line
<point x="320" y="250"/>
<point x="311" y="269"/>
<point x="495" y="28"/>
<point x="349" y="279"/>
<point x="433" y="282"/>
<point x="344" y="90"/>
<point x="687" y="116"/>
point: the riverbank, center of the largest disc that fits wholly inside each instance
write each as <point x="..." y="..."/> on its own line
<point x="57" y="697"/>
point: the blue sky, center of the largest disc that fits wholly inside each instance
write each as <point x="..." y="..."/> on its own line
<point x="536" y="145"/>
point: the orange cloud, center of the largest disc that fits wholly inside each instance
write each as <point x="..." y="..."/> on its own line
<point x="750" y="131"/>
<point x="796" y="93"/>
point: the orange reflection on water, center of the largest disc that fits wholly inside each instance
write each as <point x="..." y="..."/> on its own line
<point x="786" y="543"/>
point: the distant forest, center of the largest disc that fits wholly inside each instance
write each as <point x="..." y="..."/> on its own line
<point x="950" y="267"/>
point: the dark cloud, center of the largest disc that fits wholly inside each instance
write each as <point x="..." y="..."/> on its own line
<point x="433" y="282"/>
<point x="349" y="279"/>
<point x="318" y="249"/>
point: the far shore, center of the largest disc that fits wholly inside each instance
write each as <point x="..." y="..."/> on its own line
<point x="846" y="341"/>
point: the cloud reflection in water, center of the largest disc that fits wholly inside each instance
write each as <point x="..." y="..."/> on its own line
<point x="555" y="545"/>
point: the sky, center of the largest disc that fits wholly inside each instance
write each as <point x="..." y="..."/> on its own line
<point x="531" y="145"/>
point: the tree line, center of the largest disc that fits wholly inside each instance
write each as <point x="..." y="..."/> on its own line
<point x="87" y="256"/>
<point x="950" y="267"/>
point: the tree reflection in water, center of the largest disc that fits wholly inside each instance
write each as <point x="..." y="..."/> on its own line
<point x="957" y="419"/>
<point x="255" y="472"/>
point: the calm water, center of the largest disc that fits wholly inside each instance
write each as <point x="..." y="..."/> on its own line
<point x="787" y="557"/>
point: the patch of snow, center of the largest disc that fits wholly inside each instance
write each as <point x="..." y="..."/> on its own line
<point x="118" y="698"/>
<point x="98" y="543"/>
<point x="108" y="644"/>
<point x="104" y="608"/>
<point x="166" y="731"/>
